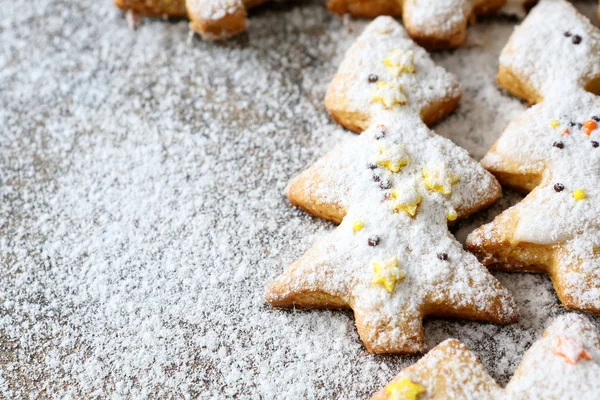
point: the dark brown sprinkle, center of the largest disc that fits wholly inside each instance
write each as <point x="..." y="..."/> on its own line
<point x="579" y="125"/>
<point x="373" y="240"/>
<point x="380" y="134"/>
<point x="373" y="78"/>
<point x="376" y="177"/>
<point x="559" y="187"/>
<point x="567" y="34"/>
<point x="576" y="39"/>
<point x="595" y="144"/>
<point x="596" y="118"/>
<point x="560" y="145"/>
<point x="442" y="256"/>
<point x="385" y="184"/>
<point x="572" y="124"/>
<point x="372" y="166"/>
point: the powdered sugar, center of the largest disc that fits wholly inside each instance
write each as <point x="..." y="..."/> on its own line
<point x="441" y="15"/>
<point x="213" y="9"/>
<point x="141" y="209"/>
<point x="448" y="183"/>
<point x="558" y="64"/>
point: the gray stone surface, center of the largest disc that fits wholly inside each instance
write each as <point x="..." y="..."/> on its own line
<point x="141" y="206"/>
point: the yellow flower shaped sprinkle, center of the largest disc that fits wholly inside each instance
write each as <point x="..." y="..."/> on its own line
<point x="554" y="123"/>
<point x="393" y="157"/>
<point x="389" y="94"/>
<point x="388" y="273"/>
<point x="400" y="61"/>
<point x="439" y="179"/>
<point x="404" y="389"/>
<point x="406" y="199"/>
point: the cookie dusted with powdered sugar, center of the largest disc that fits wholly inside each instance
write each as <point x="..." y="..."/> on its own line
<point x="213" y="19"/>
<point x="432" y="23"/>
<point x="552" y="151"/>
<point x="376" y="59"/>
<point x="393" y="189"/>
<point x="449" y="371"/>
<point x="563" y="364"/>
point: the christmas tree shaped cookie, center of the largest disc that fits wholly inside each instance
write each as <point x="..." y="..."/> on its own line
<point x="449" y="371"/>
<point x="213" y="19"/>
<point x="563" y="364"/>
<point x="432" y="23"/>
<point x="553" y="152"/>
<point x="393" y="189"/>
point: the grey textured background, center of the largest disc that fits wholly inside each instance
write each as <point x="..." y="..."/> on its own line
<point x="141" y="207"/>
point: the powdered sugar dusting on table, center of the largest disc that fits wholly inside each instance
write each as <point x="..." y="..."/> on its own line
<point x="142" y="210"/>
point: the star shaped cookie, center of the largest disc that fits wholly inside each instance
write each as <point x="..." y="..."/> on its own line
<point x="563" y="364"/>
<point x="551" y="152"/>
<point x="393" y="189"/>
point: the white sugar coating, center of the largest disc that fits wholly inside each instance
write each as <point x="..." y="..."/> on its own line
<point x="141" y="207"/>
<point x="544" y="374"/>
<point x="444" y="16"/>
<point x="554" y="65"/>
<point x="432" y="16"/>
<point x="213" y="9"/>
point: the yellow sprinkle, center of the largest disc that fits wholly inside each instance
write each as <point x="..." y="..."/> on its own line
<point x="400" y="61"/>
<point x="404" y="389"/>
<point x="439" y="179"/>
<point x="358" y="225"/>
<point x="554" y="123"/>
<point x="393" y="157"/>
<point x="579" y="194"/>
<point x="389" y="94"/>
<point x="393" y="165"/>
<point x="388" y="274"/>
<point x="410" y="208"/>
<point x="451" y="215"/>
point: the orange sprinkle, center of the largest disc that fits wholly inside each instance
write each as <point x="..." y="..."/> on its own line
<point x="566" y="132"/>
<point x="587" y="131"/>
<point x="590" y="124"/>
<point x="570" y="349"/>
